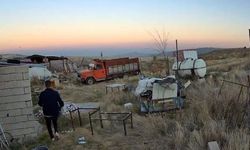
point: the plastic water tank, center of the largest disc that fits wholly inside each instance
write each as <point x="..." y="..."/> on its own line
<point x="191" y="67"/>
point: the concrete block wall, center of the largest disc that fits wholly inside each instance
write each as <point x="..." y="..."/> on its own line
<point x="16" y="109"/>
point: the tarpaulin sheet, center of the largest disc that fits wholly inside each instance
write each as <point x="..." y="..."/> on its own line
<point x="164" y="92"/>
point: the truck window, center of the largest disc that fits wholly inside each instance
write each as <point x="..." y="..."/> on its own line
<point x="98" y="66"/>
<point x="91" y="66"/>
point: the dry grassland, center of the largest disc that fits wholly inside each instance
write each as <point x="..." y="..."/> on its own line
<point x="206" y="117"/>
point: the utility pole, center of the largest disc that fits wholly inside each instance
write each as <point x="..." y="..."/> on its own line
<point x="249" y="37"/>
<point x="101" y="54"/>
<point x="248" y="102"/>
<point x="177" y="58"/>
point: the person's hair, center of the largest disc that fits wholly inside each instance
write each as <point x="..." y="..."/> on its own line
<point x="48" y="83"/>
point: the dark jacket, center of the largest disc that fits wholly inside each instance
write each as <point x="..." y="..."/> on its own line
<point x="51" y="102"/>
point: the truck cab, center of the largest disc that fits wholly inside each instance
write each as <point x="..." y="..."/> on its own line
<point x="95" y="72"/>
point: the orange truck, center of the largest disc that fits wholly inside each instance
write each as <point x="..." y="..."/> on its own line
<point x="105" y="69"/>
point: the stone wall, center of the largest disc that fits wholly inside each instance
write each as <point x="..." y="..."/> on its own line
<point x="16" y="109"/>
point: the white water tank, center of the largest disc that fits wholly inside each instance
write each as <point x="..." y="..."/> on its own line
<point x="191" y="67"/>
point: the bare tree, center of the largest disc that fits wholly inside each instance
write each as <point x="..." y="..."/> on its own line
<point x="161" y="42"/>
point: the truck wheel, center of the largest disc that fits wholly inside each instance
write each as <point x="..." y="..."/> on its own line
<point x="90" y="81"/>
<point x="82" y="81"/>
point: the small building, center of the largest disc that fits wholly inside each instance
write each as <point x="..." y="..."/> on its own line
<point x="16" y="108"/>
<point x="54" y="63"/>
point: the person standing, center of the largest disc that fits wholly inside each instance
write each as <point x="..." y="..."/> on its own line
<point x="51" y="103"/>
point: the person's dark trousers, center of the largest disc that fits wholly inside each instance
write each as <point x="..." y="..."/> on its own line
<point x="48" y="123"/>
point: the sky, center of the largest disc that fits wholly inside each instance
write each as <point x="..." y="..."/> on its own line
<point x="61" y="26"/>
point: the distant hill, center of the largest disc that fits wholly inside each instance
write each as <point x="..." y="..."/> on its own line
<point x="136" y="54"/>
<point x="112" y="53"/>
<point x="227" y="53"/>
<point x="11" y="56"/>
<point x="206" y="50"/>
<point x="200" y="51"/>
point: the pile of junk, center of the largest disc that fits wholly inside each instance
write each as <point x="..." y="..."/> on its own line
<point x="161" y="94"/>
<point x="168" y="93"/>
